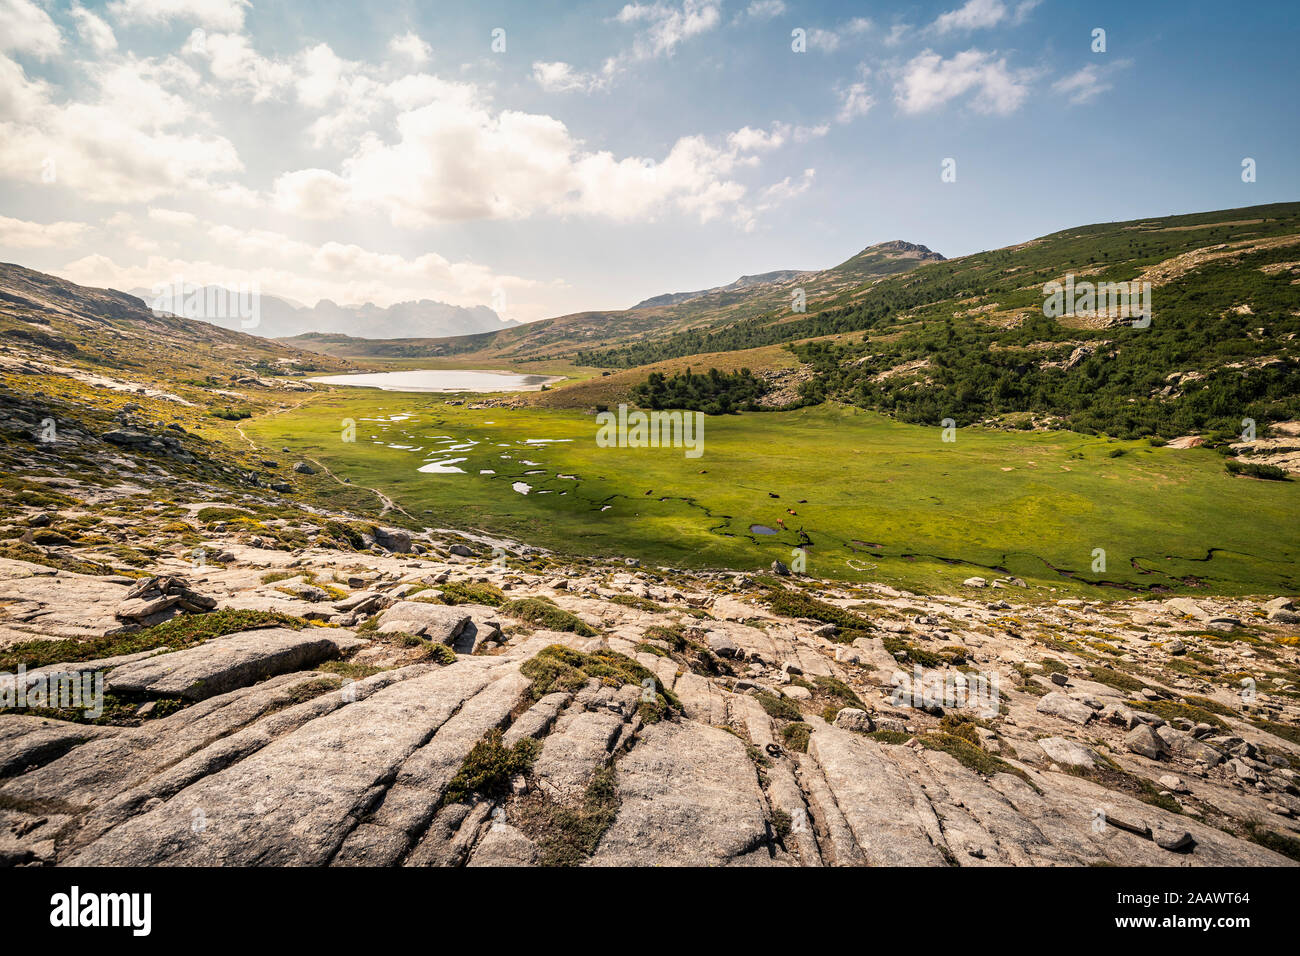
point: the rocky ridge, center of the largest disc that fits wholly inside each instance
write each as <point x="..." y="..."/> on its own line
<point x="451" y="708"/>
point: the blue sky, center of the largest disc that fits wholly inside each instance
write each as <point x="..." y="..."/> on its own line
<point x="610" y="151"/>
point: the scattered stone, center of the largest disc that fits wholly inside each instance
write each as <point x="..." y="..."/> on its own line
<point x="851" y="718"/>
<point x="723" y="646"/>
<point x="1060" y="705"/>
<point x="1067" y="752"/>
<point x="159" y="598"/>
<point x="1144" y="741"/>
<point x="438" y="622"/>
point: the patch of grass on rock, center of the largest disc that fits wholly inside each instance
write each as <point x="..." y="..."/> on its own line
<point x="180" y="632"/>
<point x="547" y="614"/>
<point x="489" y="767"/>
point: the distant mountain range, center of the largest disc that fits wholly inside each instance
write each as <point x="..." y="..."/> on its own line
<point x="282" y="318"/>
<point x="673" y="312"/>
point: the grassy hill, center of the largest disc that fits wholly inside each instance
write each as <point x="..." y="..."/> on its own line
<point x="103" y="330"/>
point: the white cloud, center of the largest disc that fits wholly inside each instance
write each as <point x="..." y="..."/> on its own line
<point x="172" y="217"/>
<point x="828" y="41"/>
<point x="1087" y="84"/>
<point x="454" y="158"/>
<point x="560" y="77"/>
<point x="308" y="272"/>
<point x="806" y="134"/>
<point x="928" y="81"/>
<point x="1023" y="9"/>
<point x="217" y="14"/>
<point x="789" y="188"/>
<point x="28" y="29"/>
<point x="982" y="14"/>
<point x="311" y="194"/>
<point x="974" y="15"/>
<point x="232" y="60"/>
<point x="410" y="46"/>
<point x="93" y="30"/>
<point x="765" y="9"/>
<point x="663" y="27"/>
<point x="129" y="142"/>
<point x="667" y="26"/>
<point x="748" y="140"/>
<point x="21" y="234"/>
<point x="855" y="100"/>
<point x="319" y="75"/>
<point x="897" y="33"/>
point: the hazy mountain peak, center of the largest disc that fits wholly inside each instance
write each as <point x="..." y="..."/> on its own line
<point x="423" y="318"/>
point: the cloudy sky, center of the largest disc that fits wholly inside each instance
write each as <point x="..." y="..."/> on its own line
<point x="550" y="157"/>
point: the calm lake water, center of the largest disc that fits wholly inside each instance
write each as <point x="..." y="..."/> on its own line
<point x="442" y="380"/>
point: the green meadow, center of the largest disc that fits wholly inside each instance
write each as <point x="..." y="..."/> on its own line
<point x="869" y="498"/>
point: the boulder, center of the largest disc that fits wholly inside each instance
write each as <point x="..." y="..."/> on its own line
<point x="1144" y="741"/>
<point x="393" y="539"/>
<point x="1060" y="705"/>
<point x="227" y="663"/>
<point x="438" y="622"/>
<point x="1067" y="752"/>
<point x="1279" y="604"/>
<point x="1185" y="745"/>
<point x="1188" y="608"/>
<point x="723" y="646"/>
<point x="851" y="718"/>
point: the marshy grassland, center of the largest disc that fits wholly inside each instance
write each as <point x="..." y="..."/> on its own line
<point x="869" y="498"/>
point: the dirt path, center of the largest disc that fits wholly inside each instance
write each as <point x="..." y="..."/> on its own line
<point x="388" y="503"/>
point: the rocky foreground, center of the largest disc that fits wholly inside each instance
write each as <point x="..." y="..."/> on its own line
<point x="318" y="706"/>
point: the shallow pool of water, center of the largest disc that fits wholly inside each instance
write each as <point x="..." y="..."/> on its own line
<point x="442" y="380"/>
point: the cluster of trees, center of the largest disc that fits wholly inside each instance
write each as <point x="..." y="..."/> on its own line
<point x="973" y="371"/>
<point x="715" y="393"/>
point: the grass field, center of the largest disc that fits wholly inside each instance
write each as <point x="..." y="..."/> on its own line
<point x="878" y="500"/>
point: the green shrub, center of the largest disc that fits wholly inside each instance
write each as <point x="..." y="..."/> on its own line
<point x="489" y="766"/>
<point x="547" y="614"/>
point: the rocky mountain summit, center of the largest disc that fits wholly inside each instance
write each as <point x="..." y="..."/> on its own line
<point x="483" y="704"/>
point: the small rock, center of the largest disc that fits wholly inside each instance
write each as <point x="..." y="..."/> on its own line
<point x="1175" y="841"/>
<point x="1172" y="782"/>
<point x="723" y="646"/>
<point x="851" y="718"/>
<point x="1067" y="708"/>
<point x="1143" y="740"/>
